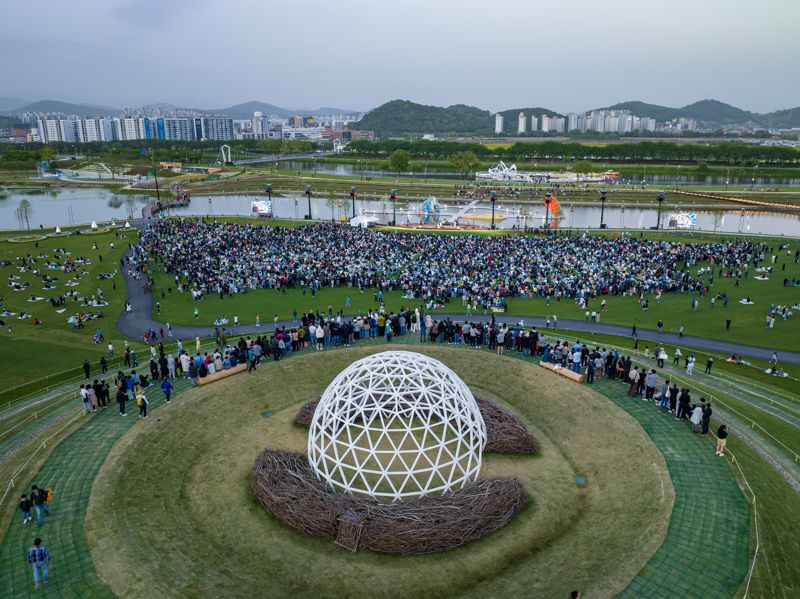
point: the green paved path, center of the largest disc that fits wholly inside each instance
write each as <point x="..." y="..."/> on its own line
<point x="705" y="553"/>
<point x="70" y="470"/>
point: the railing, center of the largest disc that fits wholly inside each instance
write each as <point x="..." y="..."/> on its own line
<point x="42" y="446"/>
<point x="695" y="384"/>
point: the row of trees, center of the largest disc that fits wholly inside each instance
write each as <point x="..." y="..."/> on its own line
<point x="721" y="154"/>
<point x="26" y="156"/>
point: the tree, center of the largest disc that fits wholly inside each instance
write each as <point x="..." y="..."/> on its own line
<point x="465" y="162"/>
<point x="24" y="212"/>
<point x="330" y="202"/>
<point x="582" y="166"/>
<point x="399" y="161"/>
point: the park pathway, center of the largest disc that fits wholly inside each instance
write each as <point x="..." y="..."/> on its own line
<point x="70" y="470"/>
<point x="141" y="319"/>
<point x="705" y="552"/>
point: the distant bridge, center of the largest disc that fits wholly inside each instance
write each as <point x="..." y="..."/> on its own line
<point x="282" y="157"/>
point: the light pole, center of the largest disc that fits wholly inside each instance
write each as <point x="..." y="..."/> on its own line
<point x="353" y="195"/>
<point x="753" y="186"/>
<point x="393" y="195"/>
<point x="269" y="193"/>
<point x="602" y="208"/>
<point x="660" y="197"/>
<point x="308" y="195"/>
<point x="494" y="200"/>
<point x="547" y="199"/>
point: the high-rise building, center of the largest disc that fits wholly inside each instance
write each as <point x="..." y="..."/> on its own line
<point x="498" y="123"/>
<point x="557" y="124"/>
<point x="297" y="121"/>
<point x="572" y="122"/>
<point x="521" y="123"/>
<point x="534" y="123"/>
<point x="545" y="123"/>
<point x="258" y="122"/>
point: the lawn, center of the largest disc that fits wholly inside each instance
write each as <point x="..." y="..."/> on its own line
<point x="204" y="448"/>
<point x="55" y="349"/>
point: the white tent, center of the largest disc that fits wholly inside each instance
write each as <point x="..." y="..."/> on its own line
<point x="94" y="224"/>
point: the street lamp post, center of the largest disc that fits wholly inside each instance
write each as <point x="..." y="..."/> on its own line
<point x="393" y="195"/>
<point x="753" y="186"/>
<point x="269" y="193"/>
<point x="602" y="208"/>
<point x="493" y="198"/>
<point x="353" y="195"/>
<point x="308" y="195"/>
<point x="660" y="197"/>
<point x="547" y="199"/>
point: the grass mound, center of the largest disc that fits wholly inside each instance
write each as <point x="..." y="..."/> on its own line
<point x="174" y="496"/>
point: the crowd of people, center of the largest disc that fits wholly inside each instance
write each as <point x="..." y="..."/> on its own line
<point x="224" y="259"/>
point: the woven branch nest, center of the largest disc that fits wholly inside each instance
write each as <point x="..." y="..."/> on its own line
<point x="505" y="432"/>
<point x="285" y="485"/>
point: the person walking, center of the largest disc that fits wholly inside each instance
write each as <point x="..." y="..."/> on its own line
<point x="103" y="365"/>
<point x="39" y="559"/>
<point x="722" y="440"/>
<point x="39" y="500"/>
<point x="25" y="507"/>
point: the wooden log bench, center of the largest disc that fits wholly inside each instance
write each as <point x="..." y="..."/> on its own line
<point x="221" y="374"/>
<point x="565" y="372"/>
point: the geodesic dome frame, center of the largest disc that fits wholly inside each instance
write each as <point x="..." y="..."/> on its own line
<point x="397" y="425"/>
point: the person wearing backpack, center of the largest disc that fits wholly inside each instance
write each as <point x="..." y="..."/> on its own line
<point x="141" y="401"/>
<point x="39" y="500"/>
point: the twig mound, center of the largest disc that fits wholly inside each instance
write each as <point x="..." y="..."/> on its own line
<point x="505" y="432"/>
<point x="286" y="486"/>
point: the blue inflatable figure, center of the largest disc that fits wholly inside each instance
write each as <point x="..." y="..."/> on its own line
<point x="430" y="210"/>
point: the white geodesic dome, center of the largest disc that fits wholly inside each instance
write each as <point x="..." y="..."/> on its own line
<point x="397" y="425"/>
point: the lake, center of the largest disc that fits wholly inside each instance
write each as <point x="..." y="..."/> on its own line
<point x="64" y="207"/>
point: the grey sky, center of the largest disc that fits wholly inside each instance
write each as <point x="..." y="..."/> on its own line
<point x="566" y="55"/>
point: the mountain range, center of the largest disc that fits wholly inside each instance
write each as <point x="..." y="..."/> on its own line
<point x="238" y="111"/>
<point x="401" y="117"/>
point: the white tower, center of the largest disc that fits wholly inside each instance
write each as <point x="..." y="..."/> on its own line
<point x="521" y="123"/>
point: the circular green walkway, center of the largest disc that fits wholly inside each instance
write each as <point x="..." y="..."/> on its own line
<point x="705" y="553"/>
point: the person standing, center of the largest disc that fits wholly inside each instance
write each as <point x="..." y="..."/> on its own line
<point x="86" y="369"/>
<point x="709" y="364"/>
<point x="39" y="559"/>
<point x="122" y="396"/>
<point x="660" y="326"/>
<point x="706" y="418"/>
<point x="141" y="401"/>
<point x="722" y="440"/>
<point x="166" y="388"/>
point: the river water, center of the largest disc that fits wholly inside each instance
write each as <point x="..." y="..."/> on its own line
<point x="65" y="207"/>
<point x="325" y="167"/>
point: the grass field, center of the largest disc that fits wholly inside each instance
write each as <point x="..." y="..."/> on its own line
<point x="188" y="472"/>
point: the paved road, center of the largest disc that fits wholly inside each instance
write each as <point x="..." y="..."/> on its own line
<point x="140" y="319"/>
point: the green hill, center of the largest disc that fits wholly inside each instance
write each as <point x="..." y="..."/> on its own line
<point x="402" y="117"/>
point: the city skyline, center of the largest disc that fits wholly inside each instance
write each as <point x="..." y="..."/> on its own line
<point x="126" y="53"/>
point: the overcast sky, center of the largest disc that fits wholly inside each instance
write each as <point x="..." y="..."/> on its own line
<point x="569" y="55"/>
